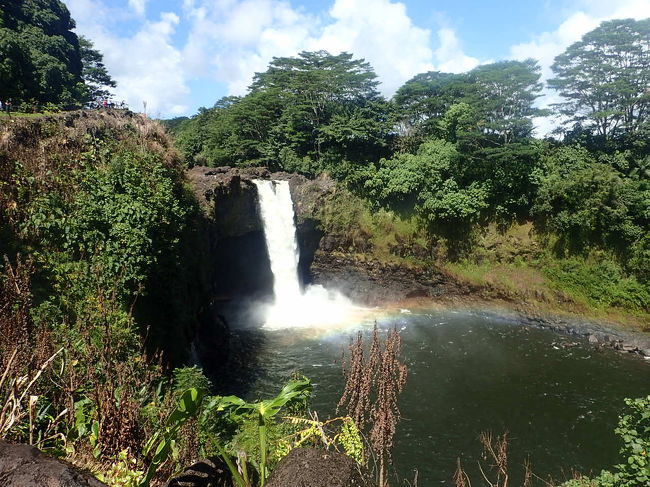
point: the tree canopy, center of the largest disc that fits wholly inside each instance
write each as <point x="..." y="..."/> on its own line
<point x="42" y="60"/>
<point x="491" y="104"/>
<point x="604" y="78"/>
<point x="303" y="113"/>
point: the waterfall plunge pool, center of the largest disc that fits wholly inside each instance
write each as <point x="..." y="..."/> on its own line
<point x="558" y="399"/>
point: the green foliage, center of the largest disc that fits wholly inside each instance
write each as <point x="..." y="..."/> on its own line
<point x="255" y="438"/>
<point x="351" y="440"/>
<point x="190" y="378"/>
<point x="587" y="203"/>
<point x="428" y="182"/>
<point x="601" y="283"/>
<point x="263" y="412"/>
<point x="123" y="472"/>
<point x="489" y="106"/>
<point x="43" y="62"/>
<point x="105" y="217"/>
<point x="39" y="52"/>
<point x="634" y="430"/>
<point x="161" y="444"/>
<point x="307" y="113"/>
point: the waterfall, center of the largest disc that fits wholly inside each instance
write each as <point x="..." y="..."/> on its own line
<point x="292" y="307"/>
<point x="276" y="208"/>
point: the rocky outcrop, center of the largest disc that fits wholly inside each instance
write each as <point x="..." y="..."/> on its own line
<point x="229" y="196"/>
<point x="25" y="466"/>
<point x="372" y="283"/>
<point x="596" y="334"/>
<point x="211" y="472"/>
<point x="309" y="467"/>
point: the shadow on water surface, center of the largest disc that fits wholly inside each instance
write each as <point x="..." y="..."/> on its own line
<point x="247" y="343"/>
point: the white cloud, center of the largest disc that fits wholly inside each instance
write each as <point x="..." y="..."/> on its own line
<point x="138" y="5"/>
<point x="240" y="38"/>
<point x="381" y="32"/>
<point x="229" y="40"/>
<point x="232" y="40"/>
<point x="146" y="66"/>
<point x="546" y="46"/>
<point x="450" y="57"/>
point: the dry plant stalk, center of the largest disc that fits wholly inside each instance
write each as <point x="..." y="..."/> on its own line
<point x="372" y="388"/>
<point x="497" y="452"/>
<point x="15" y="301"/>
<point x="461" y="479"/>
<point x="13" y="409"/>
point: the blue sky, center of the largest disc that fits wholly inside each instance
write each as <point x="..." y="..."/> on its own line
<point x="178" y="55"/>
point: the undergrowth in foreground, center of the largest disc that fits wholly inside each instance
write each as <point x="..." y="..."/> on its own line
<point x="94" y="215"/>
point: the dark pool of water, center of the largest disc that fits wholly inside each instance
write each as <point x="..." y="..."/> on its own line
<point x="470" y="373"/>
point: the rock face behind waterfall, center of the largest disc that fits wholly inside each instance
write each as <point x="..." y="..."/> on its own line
<point x="230" y="200"/>
<point x="229" y="194"/>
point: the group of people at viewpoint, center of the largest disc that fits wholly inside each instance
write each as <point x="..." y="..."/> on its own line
<point x="107" y="104"/>
<point x="5" y="106"/>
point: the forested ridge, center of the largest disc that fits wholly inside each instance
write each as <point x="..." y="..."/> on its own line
<point x="456" y="153"/>
<point x="43" y="63"/>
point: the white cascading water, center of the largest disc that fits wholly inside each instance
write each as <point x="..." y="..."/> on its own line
<point x="293" y="308"/>
<point x="276" y="208"/>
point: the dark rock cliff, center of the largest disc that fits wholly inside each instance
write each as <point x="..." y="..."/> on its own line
<point x="230" y="200"/>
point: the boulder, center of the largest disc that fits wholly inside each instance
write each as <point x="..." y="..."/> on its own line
<point x="309" y="467"/>
<point x="26" y="466"/>
<point x="211" y="472"/>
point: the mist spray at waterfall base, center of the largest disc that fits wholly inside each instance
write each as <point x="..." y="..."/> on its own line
<point x="313" y="307"/>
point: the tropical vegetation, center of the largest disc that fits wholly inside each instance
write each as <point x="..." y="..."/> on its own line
<point x="103" y="266"/>
<point x="451" y="156"/>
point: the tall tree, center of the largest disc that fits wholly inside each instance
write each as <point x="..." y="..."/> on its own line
<point x="324" y="97"/>
<point x="424" y="99"/>
<point x="494" y="101"/>
<point x="604" y="78"/>
<point x="504" y="93"/>
<point x="39" y="54"/>
<point x="95" y="74"/>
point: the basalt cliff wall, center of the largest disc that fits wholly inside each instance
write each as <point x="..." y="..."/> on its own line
<point x="230" y="200"/>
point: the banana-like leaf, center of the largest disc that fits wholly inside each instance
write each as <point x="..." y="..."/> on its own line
<point x="188" y="405"/>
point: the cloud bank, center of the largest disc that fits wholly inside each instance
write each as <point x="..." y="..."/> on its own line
<point x="224" y="42"/>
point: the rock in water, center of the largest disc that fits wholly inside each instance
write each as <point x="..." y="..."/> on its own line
<point x="25" y="466"/>
<point x="309" y="467"/>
